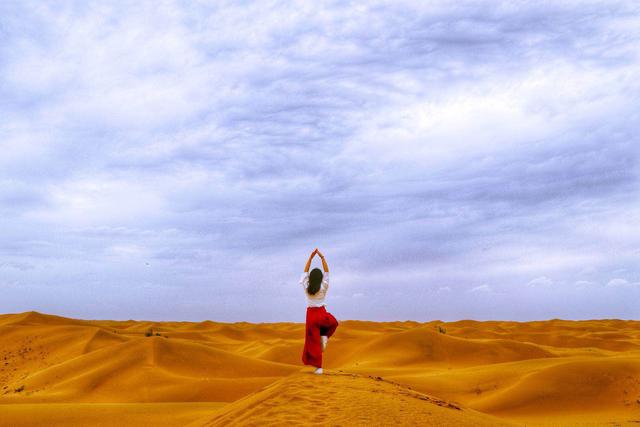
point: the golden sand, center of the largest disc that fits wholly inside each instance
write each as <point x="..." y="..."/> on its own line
<point x="68" y="372"/>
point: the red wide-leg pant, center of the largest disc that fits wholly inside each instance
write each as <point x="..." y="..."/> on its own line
<point x="319" y="322"/>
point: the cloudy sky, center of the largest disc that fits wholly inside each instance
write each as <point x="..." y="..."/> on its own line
<point x="170" y="160"/>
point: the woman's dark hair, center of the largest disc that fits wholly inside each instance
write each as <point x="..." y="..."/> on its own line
<point x="315" y="280"/>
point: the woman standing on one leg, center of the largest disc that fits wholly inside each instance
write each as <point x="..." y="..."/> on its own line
<point x="320" y="323"/>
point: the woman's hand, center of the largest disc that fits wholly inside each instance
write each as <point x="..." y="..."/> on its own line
<point x="325" y="267"/>
<point x="315" y="252"/>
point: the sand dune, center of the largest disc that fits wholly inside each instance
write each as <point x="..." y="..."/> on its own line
<point x="339" y="398"/>
<point x="105" y="414"/>
<point x="96" y="372"/>
<point x="151" y="370"/>
<point x="424" y="345"/>
<point x="584" y="385"/>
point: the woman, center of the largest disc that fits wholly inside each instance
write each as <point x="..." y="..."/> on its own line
<point x="320" y="323"/>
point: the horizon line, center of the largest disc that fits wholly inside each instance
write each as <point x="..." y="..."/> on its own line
<point x="341" y="320"/>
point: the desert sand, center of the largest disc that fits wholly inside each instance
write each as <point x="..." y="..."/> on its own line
<point x="57" y="371"/>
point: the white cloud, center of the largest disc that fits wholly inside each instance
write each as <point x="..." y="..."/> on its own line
<point x="582" y="284"/>
<point x="481" y="288"/>
<point x="618" y="282"/>
<point x="540" y="282"/>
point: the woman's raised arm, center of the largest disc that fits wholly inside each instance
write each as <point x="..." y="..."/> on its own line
<point x="306" y="267"/>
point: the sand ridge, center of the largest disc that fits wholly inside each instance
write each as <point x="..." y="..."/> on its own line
<point x="339" y="398"/>
<point x="517" y="371"/>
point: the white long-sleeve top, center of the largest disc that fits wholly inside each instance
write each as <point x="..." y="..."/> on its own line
<point x="316" y="300"/>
